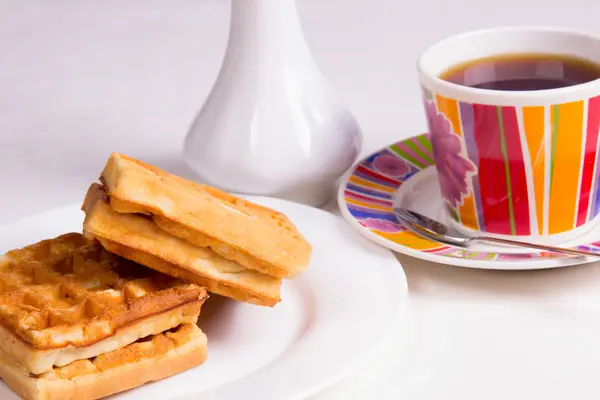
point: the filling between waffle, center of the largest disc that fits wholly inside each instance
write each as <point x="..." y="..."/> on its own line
<point x="144" y="348"/>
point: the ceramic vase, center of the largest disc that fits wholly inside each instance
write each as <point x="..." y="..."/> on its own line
<point x="271" y="124"/>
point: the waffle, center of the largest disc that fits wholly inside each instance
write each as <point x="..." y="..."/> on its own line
<point x="137" y="238"/>
<point x="254" y="236"/>
<point x="67" y="298"/>
<point x="153" y="358"/>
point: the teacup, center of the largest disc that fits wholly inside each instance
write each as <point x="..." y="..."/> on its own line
<point x="515" y="163"/>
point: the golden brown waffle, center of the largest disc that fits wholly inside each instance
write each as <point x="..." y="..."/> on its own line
<point x="256" y="237"/>
<point x="69" y="293"/>
<point x="37" y="361"/>
<point x="150" y="359"/>
<point x="138" y="238"/>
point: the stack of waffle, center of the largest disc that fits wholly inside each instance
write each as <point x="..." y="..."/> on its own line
<point x="228" y="245"/>
<point x="86" y="316"/>
<point x="78" y="322"/>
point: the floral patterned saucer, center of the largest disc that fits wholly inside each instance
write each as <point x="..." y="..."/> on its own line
<point x="404" y="174"/>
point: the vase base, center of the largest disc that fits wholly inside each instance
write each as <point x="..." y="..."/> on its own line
<point x="315" y="196"/>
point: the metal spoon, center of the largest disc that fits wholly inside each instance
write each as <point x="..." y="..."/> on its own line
<point x="434" y="230"/>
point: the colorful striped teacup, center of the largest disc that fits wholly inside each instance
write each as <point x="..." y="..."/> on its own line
<point x="515" y="163"/>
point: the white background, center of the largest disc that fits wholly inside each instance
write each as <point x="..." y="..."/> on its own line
<point x="79" y="79"/>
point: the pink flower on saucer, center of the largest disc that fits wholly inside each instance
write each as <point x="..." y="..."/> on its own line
<point x="451" y="166"/>
<point x="381" y="225"/>
<point x="390" y="165"/>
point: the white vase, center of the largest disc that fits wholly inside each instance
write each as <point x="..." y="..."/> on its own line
<point x="271" y="125"/>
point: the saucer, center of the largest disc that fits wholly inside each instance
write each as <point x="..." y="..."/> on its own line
<point x="403" y="174"/>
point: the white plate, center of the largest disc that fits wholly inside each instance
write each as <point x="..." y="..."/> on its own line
<point x="330" y="318"/>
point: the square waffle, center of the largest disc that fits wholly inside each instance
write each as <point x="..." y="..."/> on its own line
<point x="137" y="238"/>
<point x="256" y="237"/>
<point x="150" y="359"/>
<point x="67" y="298"/>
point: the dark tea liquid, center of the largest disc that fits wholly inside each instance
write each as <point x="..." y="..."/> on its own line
<point x="518" y="72"/>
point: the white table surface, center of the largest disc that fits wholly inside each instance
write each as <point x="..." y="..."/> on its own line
<point x="79" y="79"/>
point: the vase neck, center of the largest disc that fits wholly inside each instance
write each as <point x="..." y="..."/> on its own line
<point x="272" y="22"/>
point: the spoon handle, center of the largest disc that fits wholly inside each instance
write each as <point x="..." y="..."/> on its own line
<point x="536" y="246"/>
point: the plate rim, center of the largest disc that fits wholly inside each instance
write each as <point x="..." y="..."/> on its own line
<point x="516" y="264"/>
<point x="337" y="374"/>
